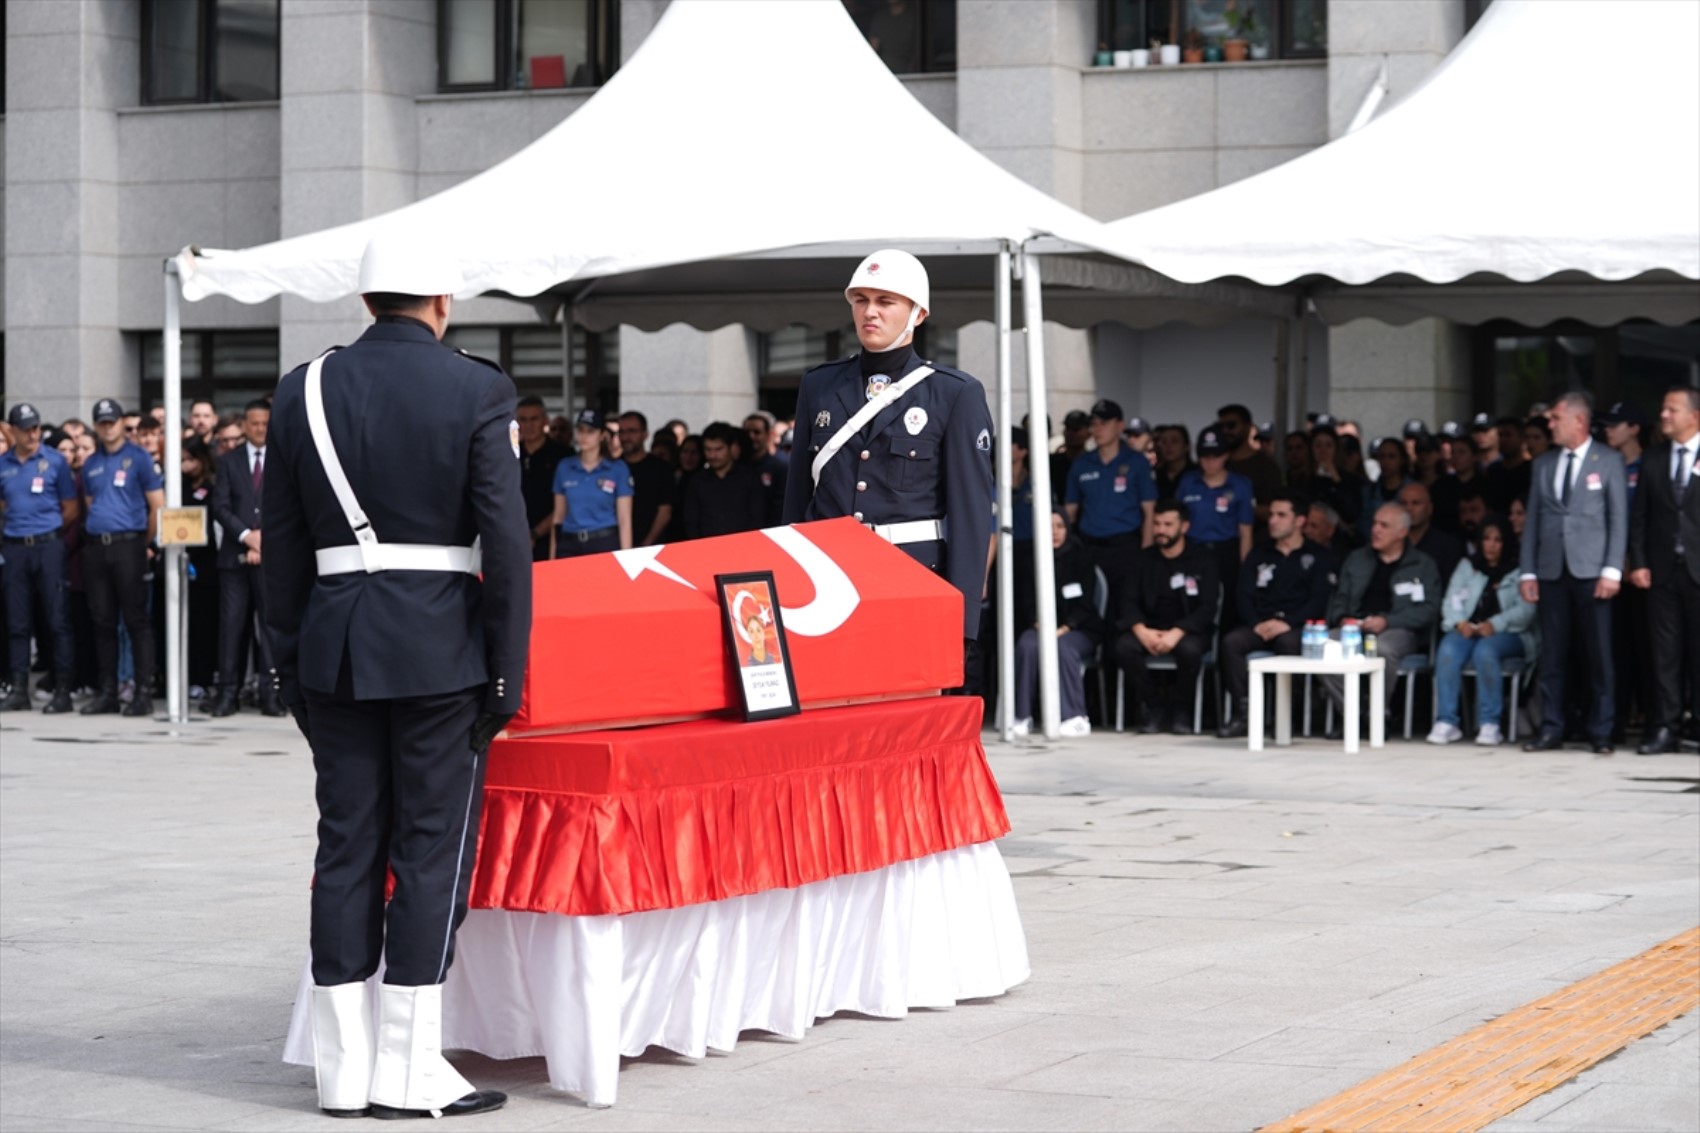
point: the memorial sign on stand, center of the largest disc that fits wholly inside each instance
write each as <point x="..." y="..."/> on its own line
<point x="755" y="633"/>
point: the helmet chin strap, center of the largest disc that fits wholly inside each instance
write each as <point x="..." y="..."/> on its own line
<point x="904" y="335"/>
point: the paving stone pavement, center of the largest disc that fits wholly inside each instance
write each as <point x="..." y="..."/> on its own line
<point x="1218" y="938"/>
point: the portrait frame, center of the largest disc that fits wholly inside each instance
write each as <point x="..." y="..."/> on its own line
<point x="749" y="601"/>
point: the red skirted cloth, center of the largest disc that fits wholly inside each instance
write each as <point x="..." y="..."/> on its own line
<point x="651" y="818"/>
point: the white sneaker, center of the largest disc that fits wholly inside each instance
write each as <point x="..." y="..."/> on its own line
<point x="1076" y="726"/>
<point x="1023" y="727"/>
<point x="1489" y="736"/>
<point x="1445" y="733"/>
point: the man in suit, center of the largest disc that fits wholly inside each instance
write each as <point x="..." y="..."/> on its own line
<point x="398" y="585"/>
<point x="1664" y="560"/>
<point x="1573" y="542"/>
<point x="242" y="609"/>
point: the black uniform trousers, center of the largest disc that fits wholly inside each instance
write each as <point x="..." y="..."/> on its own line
<point x="1226" y="552"/>
<point x="569" y="546"/>
<point x="1189" y="658"/>
<point x="1631" y="657"/>
<point x="241" y="618"/>
<point x="1237" y="647"/>
<point x="35" y="572"/>
<point x="398" y="786"/>
<point x="113" y="580"/>
<point x="1117" y="556"/>
<point x="1569" y="613"/>
<point x="1673" y="609"/>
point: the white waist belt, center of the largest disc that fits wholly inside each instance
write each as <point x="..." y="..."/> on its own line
<point x="914" y="531"/>
<point x="355" y="559"/>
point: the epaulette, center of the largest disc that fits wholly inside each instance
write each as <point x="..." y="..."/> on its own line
<point x="497" y="366"/>
<point x="824" y="365"/>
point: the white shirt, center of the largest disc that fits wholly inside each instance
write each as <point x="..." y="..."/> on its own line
<point x="1676" y="465"/>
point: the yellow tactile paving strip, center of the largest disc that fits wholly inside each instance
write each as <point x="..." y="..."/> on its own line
<point x="1482" y="1075"/>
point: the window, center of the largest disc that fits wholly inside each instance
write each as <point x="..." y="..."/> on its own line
<point x="1284" y="29"/>
<point x="526" y="44"/>
<point x="531" y="355"/>
<point x="911" y="36"/>
<point x="784" y="355"/>
<point x="1515" y="366"/>
<point x="228" y="367"/>
<point x="209" y="51"/>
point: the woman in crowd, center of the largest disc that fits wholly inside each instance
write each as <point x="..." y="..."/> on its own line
<point x="75" y="452"/>
<point x="1517" y="513"/>
<point x="199" y="468"/>
<point x="1330" y="481"/>
<point x="593" y="495"/>
<point x="1296" y="449"/>
<point x="1173" y="444"/>
<point x="690" y="455"/>
<point x="1487" y="623"/>
<point x="1079" y="632"/>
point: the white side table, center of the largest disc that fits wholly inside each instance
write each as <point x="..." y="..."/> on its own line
<point x="1350" y="668"/>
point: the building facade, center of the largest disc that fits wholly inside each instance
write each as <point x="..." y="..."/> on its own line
<point x="135" y="127"/>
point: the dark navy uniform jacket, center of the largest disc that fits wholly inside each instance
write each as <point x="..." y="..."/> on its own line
<point x="902" y="465"/>
<point x="426" y="437"/>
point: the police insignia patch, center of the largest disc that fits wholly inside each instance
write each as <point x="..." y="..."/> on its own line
<point x="513" y="436"/>
<point x="876" y="385"/>
<point x="1307" y="561"/>
<point x="983" y="442"/>
<point x="823" y="418"/>
<point x="915" y="420"/>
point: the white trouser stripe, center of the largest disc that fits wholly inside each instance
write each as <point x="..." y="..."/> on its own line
<point x="460" y="858"/>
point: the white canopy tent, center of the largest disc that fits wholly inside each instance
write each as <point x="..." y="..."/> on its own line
<point x="1536" y="174"/>
<point x="737" y="130"/>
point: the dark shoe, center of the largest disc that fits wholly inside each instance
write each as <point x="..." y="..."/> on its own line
<point x="479" y="1101"/>
<point x="272" y="706"/>
<point x="1545" y="743"/>
<point x="1603" y="747"/>
<point x="367" y="1112"/>
<point x="225" y="705"/>
<point x="19" y="698"/>
<point x="140" y="705"/>
<point x="1149" y="723"/>
<point x="1661" y="740"/>
<point x="61" y="701"/>
<point x="105" y="702"/>
<point x="48" y="684"/>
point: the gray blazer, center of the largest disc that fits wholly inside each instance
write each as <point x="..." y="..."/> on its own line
<point x="1588" y="535"/>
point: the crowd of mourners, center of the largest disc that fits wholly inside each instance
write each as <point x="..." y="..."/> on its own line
<point x="1172" y="551"/>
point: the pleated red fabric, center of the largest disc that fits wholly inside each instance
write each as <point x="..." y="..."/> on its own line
<point x="660" y="817"/>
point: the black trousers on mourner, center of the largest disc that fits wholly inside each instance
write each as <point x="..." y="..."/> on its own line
<point x="1673" y="606"/>
<point x="112" y="577"/>
<point x="241" y="623"/>
<point x="1570" y="615"/>
<point x="1189" y="658"/>
<point x="398" y="786"/>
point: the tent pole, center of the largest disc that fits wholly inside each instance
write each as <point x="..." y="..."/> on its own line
<point x="1006" y="498"/>
<point x="567" y="360"/>
<point x="176" y="638"/>
<point x="1301" y="380"/>
<point x="1044" y="567"/>
<point x="1282" y="356"/>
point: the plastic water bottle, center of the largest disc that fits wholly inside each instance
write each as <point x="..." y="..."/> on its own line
<point x="1351" y="638"/>
<point x="1311" y="643"/>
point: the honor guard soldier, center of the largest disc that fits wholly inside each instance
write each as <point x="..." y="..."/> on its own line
<point x="901" y="444"/>
<point x="39" y="491"/>
<point x="397" y="572"/>
<point x="124" y="492"/>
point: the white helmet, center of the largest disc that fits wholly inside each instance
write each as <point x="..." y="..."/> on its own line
<point x="408" y="266"/>
<point x="895" y="271"/>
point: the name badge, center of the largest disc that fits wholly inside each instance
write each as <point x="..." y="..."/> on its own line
<point x="1594" y="484"/>
<point x="1177" y="581"/>
<point x="1222" y="503"/>
<point x="119" y="477"/>
<point x="37" y="486"/>
<point x="1265" y="574"/>
<point x="606" y="486"/>
<point x="1121" y="483"/>
<point x="1072" y="590"/>
<point x="1191" y="587"/>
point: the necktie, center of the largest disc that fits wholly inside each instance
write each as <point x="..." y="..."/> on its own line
<point x="259" y="474"/>
<point x="1569" y="466"/>
<point x="1682" y="471"/>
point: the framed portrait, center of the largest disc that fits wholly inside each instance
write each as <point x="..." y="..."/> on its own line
<point x="755" y="635"/>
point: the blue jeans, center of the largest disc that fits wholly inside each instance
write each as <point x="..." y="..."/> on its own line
<point x="1488" y="655"/>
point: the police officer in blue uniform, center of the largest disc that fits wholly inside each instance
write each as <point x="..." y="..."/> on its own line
<point x="900" y="444"/>
<point x="397" y="572"/>
<point x="593" y="495"/>
<point x="1222" y="510"/>
<point x="124" y="493"/>
<point x="1110" y="494"/>
<point x="39" y="492"/>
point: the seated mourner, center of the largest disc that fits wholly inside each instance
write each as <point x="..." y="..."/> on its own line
<point x="1168" y="609"/>
<point x="1079" y="631"/>
<point x="1487" y="623"/>
<point x="1284" y="584"/>
<point x="1391" y="589"/>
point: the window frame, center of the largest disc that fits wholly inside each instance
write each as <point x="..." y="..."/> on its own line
<point x="206" y="59"/>
<point x="600" y="385"/>
<point x="603" y="32"/>
<point x="203" y="386"/>
<point x="1281" y="33"/>
<point x="928" y="10"/>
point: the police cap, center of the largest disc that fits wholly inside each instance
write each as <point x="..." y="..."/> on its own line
<point x="1624" y="413"/>
<point x="1210" y="442"/>
<point x="107" y="409"/>
<point x="1106" y="410"/>
<point x="1481" y="423"/>
<point x="590" y="419"/>
<point x="23" y="416"/>
<point x="1415" y="427"/>
<point x="1136" y="427"/>
<point x="1452" y="430"/>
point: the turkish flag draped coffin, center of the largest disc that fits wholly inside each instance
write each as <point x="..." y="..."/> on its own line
<point x="635" y="637"/>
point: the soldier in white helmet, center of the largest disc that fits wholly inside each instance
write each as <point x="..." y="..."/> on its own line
<point x="899" y="443"/>
<point x="397" y="576"/>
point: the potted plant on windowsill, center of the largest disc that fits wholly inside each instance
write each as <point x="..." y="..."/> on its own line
<point x="1193" y="51"/>
<point x="1242" y="29"/>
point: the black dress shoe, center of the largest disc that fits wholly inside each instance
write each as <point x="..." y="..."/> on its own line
<point x="224" y="706"/>
<point x="1234" y="729"/>
<point x="479" y="1101"/>
<point x="1603" y="747"/>
<point x="104" y="703"/>
<point x="61" y="702"/>
<point x="1660" y="741"/>
<point x="364" y="1112"/>
<point x="272" y="706"/>
<point x="1545" y="743"/>
<point x="1149" y="724"/>
<point x="140" y="705"/>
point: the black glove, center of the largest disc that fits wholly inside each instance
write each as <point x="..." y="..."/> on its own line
<point x="299" y="712"/>
<point x="484" y="730"/>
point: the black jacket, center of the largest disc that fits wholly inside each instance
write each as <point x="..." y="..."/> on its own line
<point x="1656" y="518"/>
<point x="234" y="504"/>
<point x="1152" y="585"/>
<point x="1076" y="594"/>
<point x="426" y="438"/>
<point x="1294" y="588"/>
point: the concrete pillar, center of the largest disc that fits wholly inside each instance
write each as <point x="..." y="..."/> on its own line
<point x="350" y="135"/>
<point x="1384" y="375"/>
<point x="696" y="376"/>
<point x="69" y="67"/>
